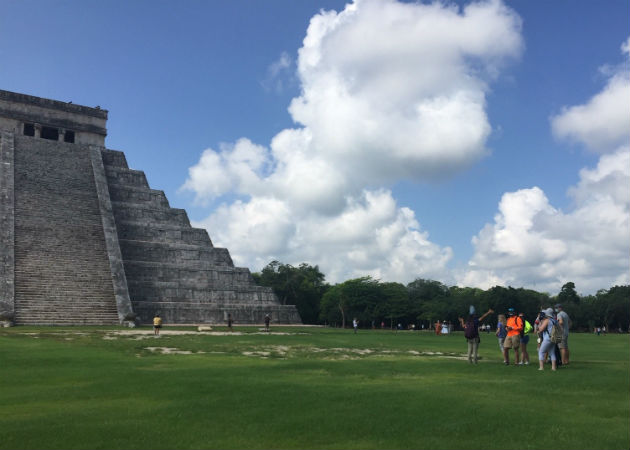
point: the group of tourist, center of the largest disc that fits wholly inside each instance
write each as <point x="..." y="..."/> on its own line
<point x="513" y="333"/>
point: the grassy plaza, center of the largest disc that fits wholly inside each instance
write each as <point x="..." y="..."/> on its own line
<point x="302" y="388"/>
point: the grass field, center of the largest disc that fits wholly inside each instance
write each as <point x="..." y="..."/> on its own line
<point x="303" y="388"/>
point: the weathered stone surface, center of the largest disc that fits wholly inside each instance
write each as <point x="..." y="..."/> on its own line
<point x="87" y="123"/>
<point x="7" y="198"/>
<point x="62" y="270"/>
<point x="85" y="240"/>
<point x="123" y="304"/>
<point x="174" y="269"/>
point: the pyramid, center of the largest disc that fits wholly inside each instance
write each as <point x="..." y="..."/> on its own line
<point x="84" y="240"/>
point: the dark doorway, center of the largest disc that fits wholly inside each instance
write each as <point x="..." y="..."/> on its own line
<point x="69" y="136"/>
<point x="50" y="133"/>
<point x="29" y="129"/>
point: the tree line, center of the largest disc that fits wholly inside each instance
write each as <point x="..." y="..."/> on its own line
<point x="423" y="301"/>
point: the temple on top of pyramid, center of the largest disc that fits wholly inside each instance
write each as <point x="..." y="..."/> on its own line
<point x="84" y="240"/>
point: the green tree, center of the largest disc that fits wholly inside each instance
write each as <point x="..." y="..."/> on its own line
<point x="568" y="295"/>
<point x="428" y="300"/>
<point x="616" y="308"/>
<point x="396" y="305"/>
<point x="358" y="298"/>
<point x="302" y="286"/>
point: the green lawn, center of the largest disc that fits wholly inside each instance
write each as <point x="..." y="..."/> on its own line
<point x="85" y="388"/>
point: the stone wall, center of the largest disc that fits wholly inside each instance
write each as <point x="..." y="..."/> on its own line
<point x="85" y="240"/>
<point x="174" y="269"/>
<point x="87" y="123"/>
<point x="62" y="270"/>
<point x="7" y="262"/>
<point x="123" y="304"/>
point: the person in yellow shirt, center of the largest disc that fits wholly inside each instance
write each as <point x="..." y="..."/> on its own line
<point x="157" y="324"/>
<point x="513" y="339"/>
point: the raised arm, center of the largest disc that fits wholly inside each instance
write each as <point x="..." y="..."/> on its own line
<point x="490" y="311"/>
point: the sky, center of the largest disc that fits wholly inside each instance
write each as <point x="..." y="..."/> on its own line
<point x="473" y="143"/>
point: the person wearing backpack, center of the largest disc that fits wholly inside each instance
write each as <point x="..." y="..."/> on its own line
<point x="545" y="327"/>
<point x="513" y="339"/>
<point x="527" y="329"/>
<point x="471" y="332"/>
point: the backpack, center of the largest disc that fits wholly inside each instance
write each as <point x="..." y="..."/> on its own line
<point x="556" y="332"/>
<point x="471" y="331"/>
<point x="527" y="328"/>
<point x="516" y="319"/>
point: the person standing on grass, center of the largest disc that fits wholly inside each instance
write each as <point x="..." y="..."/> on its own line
<point x="513" y="338"/>
<point x="501" y="333"/>
<point x="539" y="339"/>
<point x="157" y="324"/>
<point x="471" y="332"/>
<point x="527" y="329"/>
<point x="565" y="321"/>
<point x="438" y="328"/>
<point x="230" y="322"/>
<point x="267" y="320"/>
<point x="355" y="325"/>
<point x="546" y="324"/>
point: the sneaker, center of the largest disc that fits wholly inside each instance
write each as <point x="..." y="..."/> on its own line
<point x="506" y="363"/>
<point x="527" y="363"/>
<point x="540" y="368"/>
<point x="521" y="363"/>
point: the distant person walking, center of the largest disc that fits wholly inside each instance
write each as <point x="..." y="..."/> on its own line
<point x="501" y="334"/>
<point x="438" y="328"/>
<point x="546" y="325"/>
<point x="471" y="332"/>
<point x="230" y="321"/>
<point x="355" y="325"/>
<point x="267" y="321"/>
<point x="565" y="322"/>
<point x="157" y="324"/>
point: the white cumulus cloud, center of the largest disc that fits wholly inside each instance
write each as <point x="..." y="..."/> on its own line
<point x="389" y="91"/>
<point x="372" y="236"/>
<point x="602" y="123"/>
<point x="238" y="167"/>
<point x="533" y="244"/>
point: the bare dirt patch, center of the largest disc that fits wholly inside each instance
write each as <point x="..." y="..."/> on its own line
<point x="171" y="351"/>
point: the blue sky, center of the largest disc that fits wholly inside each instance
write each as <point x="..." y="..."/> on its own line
<point x="479" y="197"/>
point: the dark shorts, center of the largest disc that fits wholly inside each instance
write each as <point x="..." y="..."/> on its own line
<point x="157" y="326"/>
<point x="525" y="339"/>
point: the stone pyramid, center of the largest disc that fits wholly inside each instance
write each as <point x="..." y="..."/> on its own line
<point x="85" y="240"/>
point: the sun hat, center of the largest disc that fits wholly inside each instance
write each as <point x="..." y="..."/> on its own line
<point x="471" y="310"/>
<point x="549" y="312"/>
